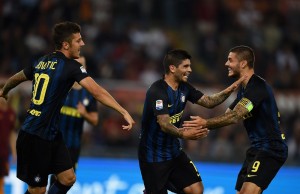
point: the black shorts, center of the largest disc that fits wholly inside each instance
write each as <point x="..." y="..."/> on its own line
<point x="179" y="172"/>
<point x="259" y="168"/>
<point x="74" y="153"/>
<point x="37" y="158"/>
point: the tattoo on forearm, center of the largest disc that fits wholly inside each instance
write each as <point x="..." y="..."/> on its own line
<point x="215" y="99"/>
<point x="223" y="120"/>
<point x="171" y="129"/>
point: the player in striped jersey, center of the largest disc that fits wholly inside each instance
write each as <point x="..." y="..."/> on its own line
<point x="79" y="106"/>
<point x="40" y="147"/>
<point x="162" y="161"/>
<point x="256" y="106"/>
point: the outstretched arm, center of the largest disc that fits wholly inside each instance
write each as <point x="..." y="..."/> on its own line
<point x="216" y="99"/>
<point x="167" y="127"/>
<point x="12" y="82"/>
<point x="102" y="95"/>
<point x="230" y="117"/>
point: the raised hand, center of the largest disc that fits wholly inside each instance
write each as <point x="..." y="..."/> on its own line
<point x="194" y="133"/>
<point x="129" y="120"/>
<point x="237" y="83"/>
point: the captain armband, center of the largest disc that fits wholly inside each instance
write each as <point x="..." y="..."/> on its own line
<point x="245" y="102"/>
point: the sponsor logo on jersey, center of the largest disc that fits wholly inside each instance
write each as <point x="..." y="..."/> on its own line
<point x="176" y="118"/>
<point x="70" y="111"/>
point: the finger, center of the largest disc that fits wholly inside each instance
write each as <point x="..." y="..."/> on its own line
<point x="126" y="127"/>
<point x="194" y="117"/>
<point x="187" y="128"/>
<point x="190" y="124"/>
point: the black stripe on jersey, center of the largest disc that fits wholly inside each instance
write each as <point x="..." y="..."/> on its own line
<point x="156" y="145"/>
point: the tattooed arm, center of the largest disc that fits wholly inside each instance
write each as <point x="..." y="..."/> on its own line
<point x="167" y="127"/>
<point x="12" y="82"/>
<point x="230" y="117"/>
<point x="216" y="99"/>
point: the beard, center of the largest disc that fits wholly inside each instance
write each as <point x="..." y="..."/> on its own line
<point x="234" y="74"/>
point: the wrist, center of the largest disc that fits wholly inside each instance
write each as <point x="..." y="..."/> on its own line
<point x="180" y="133"/>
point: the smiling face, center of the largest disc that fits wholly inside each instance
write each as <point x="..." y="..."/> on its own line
<point x="73" y="47"/>
<point x="233" y="65"/>
<point x="182" y="72"/>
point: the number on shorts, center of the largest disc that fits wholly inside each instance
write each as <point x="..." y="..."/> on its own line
<point x="255" y="166"/>
<point x="38" y="100"/>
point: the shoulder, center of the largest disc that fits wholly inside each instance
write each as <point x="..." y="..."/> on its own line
<point x="73" y="64"/>
<point x="258" y="79"/>
<point x="159" y="84"/>
<point x="187" y="85"/>
<point x="258" y="83"/>
<point x="258" y="87"/>
<point x="158" y="88"/>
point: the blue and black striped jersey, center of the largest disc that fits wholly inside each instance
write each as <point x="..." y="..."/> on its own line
<point x="70" y="121"/>
<point x="263" y="121"/>
<point x="156" y="145"/>
<point x="52" y="77"/>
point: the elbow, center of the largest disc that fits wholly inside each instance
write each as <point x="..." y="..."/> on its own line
<point x="95" y="122"/>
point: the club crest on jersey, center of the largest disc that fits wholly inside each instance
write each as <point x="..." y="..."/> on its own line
<point x="159" y="105"/>
<point x="86" y="102"/>
<point x="182" y="97"/>
<point x="83" y="70"/>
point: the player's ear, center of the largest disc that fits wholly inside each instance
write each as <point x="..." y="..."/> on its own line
<point x="244" y="63"/>
<point x="65" y="45"/>
<point x="172" y="68"/>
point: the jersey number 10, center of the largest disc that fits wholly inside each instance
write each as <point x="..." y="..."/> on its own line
<point x="41" y="83"/>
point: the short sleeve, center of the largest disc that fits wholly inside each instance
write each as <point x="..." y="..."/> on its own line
<point x="28" y="71"/>
<point x="255" y="95"/>
<point x="158" y="100"/>
<point x="194" y="94"/>
<point x="78" y="72"/>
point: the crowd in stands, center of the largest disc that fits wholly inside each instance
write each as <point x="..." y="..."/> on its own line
<point x="126" y="40"/>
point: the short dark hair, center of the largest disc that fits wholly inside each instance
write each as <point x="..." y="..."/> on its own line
<point x="175" y="57"/>
<point x="62" y="32"/>
<point x="244" y="53"/>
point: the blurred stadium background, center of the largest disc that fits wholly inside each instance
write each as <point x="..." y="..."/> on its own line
<point x="126" y="41"/>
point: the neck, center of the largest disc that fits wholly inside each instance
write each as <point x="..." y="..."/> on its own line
<point x="171" y="81"/>
<point x="65" y="52"/>
<point x="248" y="74"/>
